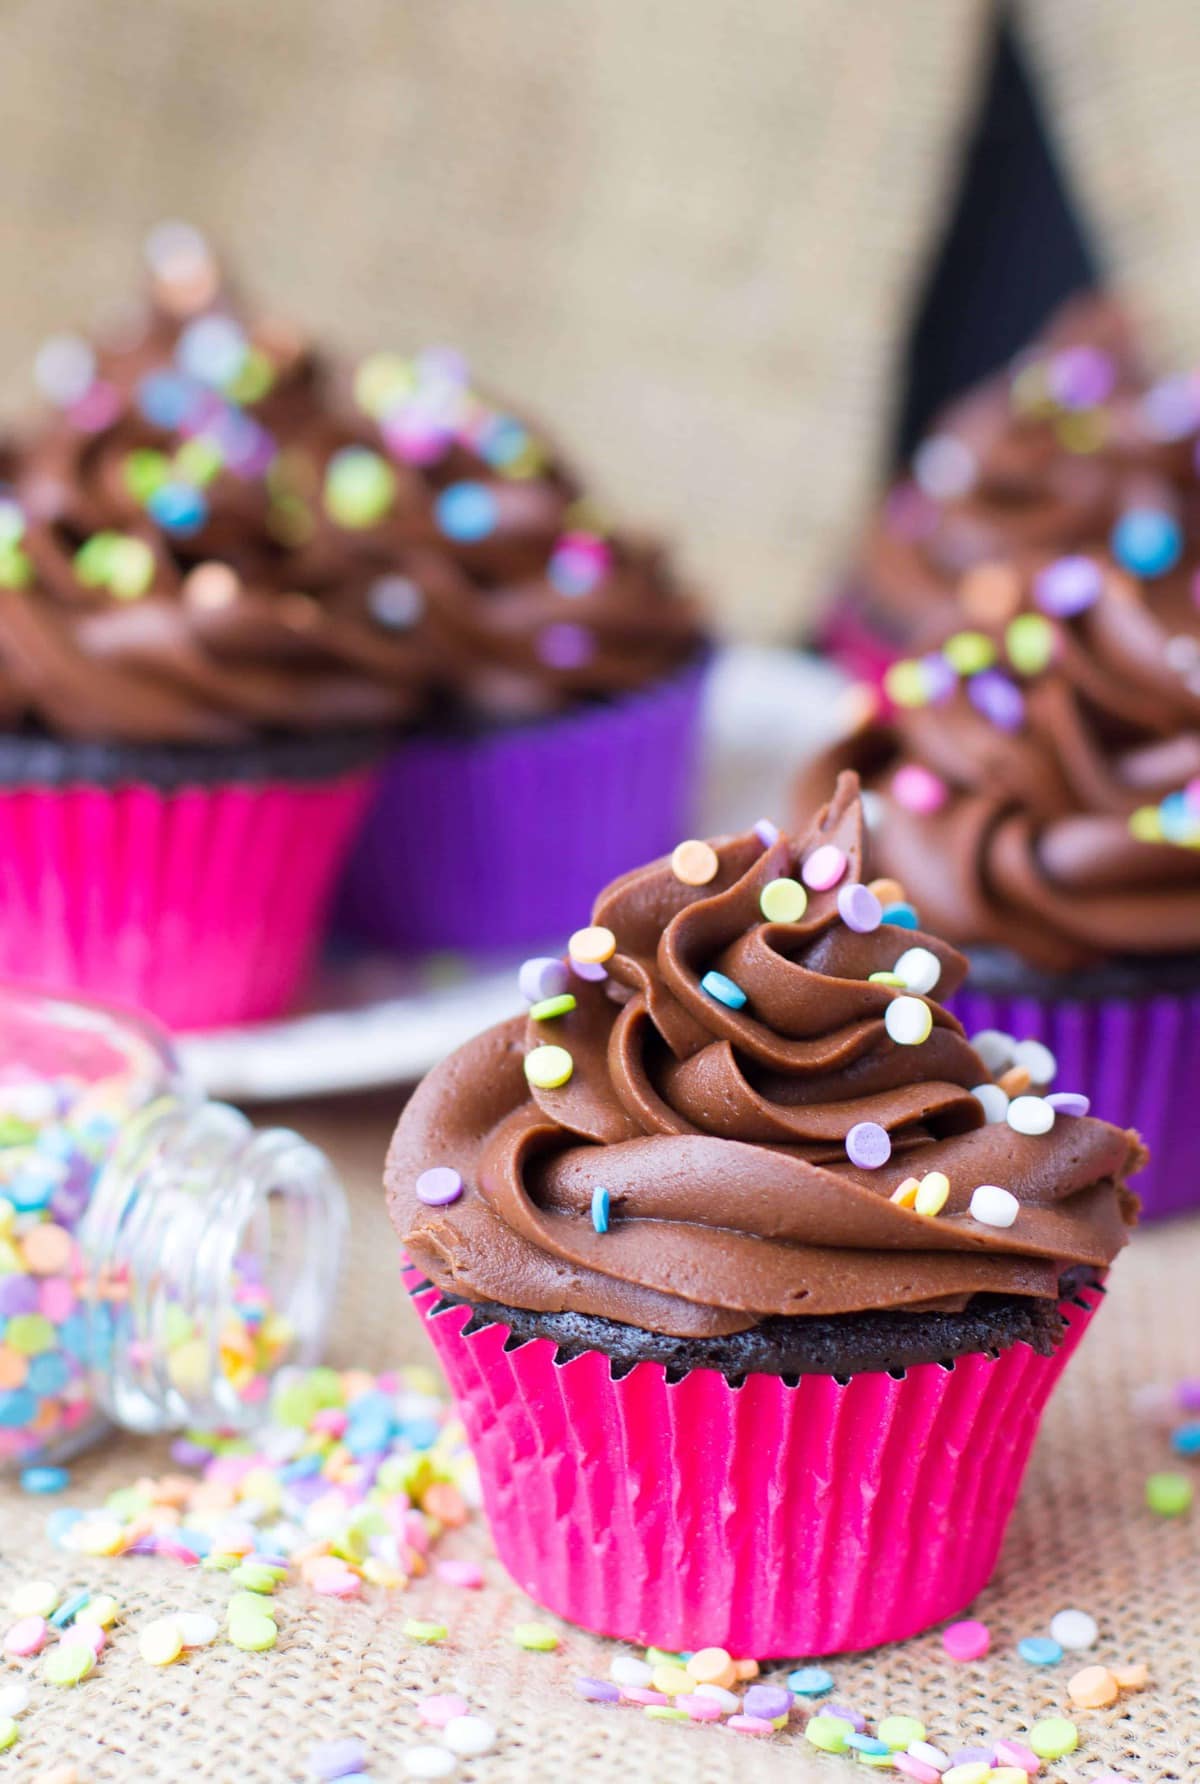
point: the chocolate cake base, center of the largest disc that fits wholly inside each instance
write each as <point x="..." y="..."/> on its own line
<point x="841" y="1345"/>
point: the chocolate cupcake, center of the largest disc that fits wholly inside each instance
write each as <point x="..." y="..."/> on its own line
<point x="725" y="1259"/>
<point x="1045" y="457"/>
<point x="1035" y="790"/>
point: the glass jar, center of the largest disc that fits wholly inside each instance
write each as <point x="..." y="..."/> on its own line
<point x="160" y="1258"/>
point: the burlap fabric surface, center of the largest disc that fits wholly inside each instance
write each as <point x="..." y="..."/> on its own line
<point x="1081" y="1536"/>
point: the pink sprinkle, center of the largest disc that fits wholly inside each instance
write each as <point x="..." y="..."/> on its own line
<point x="416" y="1532"/>
<point x="331" y="1420"/>
<point x="29" y="1636"/>
<point x="436" y="1711"/>
<point x="1013" y="1753"/>
<point x="750" y="1725"/>
<point x="915" y="1768"/>
<point x="175" y="1551"/>
<point x="700" y="1709"/>
<point x="96" y="408"/>
<point x="968" y="1640"/>
<point x="56" y="1299"/>
<point x="333" y="1579"/>
<point x="93" y="1635"/>
<point x="460" y="1573"/>
<point x="642" y="1694"/>
<point x="918" y="789"/>
<point x="824" y="868"/>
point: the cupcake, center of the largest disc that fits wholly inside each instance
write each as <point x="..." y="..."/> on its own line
<point x="1035" y="791"/>
<point x="192" y="701"/>
<point x="1043" y="456"/>
<point x="734" y="1277"/>
<point x="562" y="743"/>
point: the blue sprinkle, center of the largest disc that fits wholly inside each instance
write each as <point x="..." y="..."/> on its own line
<point x="723" y="990"/>
<point x="196" y="1540"/>
<point x="62" y="1520"/>
<point x="17" y="1408"/>
<point x="503" y="440"/>
<point x="466" y="512"/>
<point x="179" y="508"/>
<point x="69" y="1609"/>
<point x="1186" y="1440"/>
<point x="45" y="1480"/>
<point x="601" y="1206"/>
<point x="421" y="1433"/>
<point x="1039" y="1650"/>
<point x="301" y="1468"/>
<point x="165" y="399"/>
<point x="48" y="1374"/>
<point x="904" y="916"/>
<point x="810" y="1681"/>
<point x="1147" y="541"/>
<point x="866" y="1743"/>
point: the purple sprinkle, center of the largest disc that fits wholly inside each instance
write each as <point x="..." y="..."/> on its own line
<point x="1068" y="586"/>
<point x="857" y="1722"/>
<point x="766" y="832"/>
<point x="189" y="1455"/>
<point x="439" y="1186"/>
<point x="972" y="1756"/>
<point x="598" y="1690"/>
<point x="1081" y="377"/>
<point x="868" y="1145"/>
<point x="592" y="970"/>
<point x="859" y="908"/>
<point x="940" y="679"/>
<point x="998" y="699"/>
<point x="566" y="646"/>
<point x="1188" y="1395"/>
<point x="767" y="1701"/>
<point x="1170" y="410"/>
<point x="18" y="1294"/>
<point x="543" y="977"/>
<point x="1069" y="1102"/>
<point x="337" y="1759"/>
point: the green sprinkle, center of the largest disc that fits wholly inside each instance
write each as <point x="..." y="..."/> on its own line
<point x="1170" y="1495"/>
<point x="256" y="1577"/>
<point x="827" y="1732"/>
<point x="542" y="1638"/>
<point x="1054" y="1737"/>
<point x="253" y="379"/>
<point x="10" y="1734"/>
<point x="428" y="1633"/>
<point x="253" y="1634"/>
<point x="969" y="652"/>
<point x="1029" y="640"/>
<point x="360" y="487"/>
<point x="885" y="979"/>
<point x="665" y="1712"/>
<point x="198" y="462"/>
<point x="16" y="567"/>
<point x="144" y="471"/>
<point x="662" y="1657"/>
<point x="30" y="1333"/>
<point x="14" y="1132"/>
<point x="550" y="1007"/>
<point x="68" y="1662"/>
<point x="900" y="1732"/>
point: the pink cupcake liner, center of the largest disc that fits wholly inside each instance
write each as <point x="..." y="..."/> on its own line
<point x="202" y="905"/>
<point x="1138" y="1059"/>
<point x="501" y="839"/>
<point x="769" y="1519"/>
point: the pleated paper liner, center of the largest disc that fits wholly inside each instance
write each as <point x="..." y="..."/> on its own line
<point x="504" y="837"/>
<point x="203" y="905"/>
<point x="1138" y="1059"/>
<point x="775" y="1517"/>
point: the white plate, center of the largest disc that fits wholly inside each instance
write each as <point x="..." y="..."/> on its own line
<point x="378" y="1021"/>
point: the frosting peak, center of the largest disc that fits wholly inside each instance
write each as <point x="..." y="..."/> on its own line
<point x="746" y="1108"/>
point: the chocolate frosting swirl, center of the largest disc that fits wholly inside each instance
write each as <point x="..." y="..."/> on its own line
<point x="222" y="534"/>
<point x="720" y="1134"/>
<point x="1055" y="814"/>
<point x="1043" y="457"/>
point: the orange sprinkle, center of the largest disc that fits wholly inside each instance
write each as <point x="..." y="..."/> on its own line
<point x="1132" y="1678"/>
<point x="445" y="1503"/>
<point x="1094" y="1688"/>
<point x="905" y="1194"/>
<point x="746" y="1669"/>
<point x="695" y="863"/>
<point x="1015" y="1081"/>
<point x="887" y="891"/>
<point x="13" y="1367"/>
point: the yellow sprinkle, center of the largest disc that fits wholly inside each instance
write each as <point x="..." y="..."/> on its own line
<point x="592" y="946"/>
<point x="969" y="652"/>
<point x="695" y="863"/>
<point x="428" y="1633"/>
<point x="160" y="1642"/>
<point x="783" y="901"/>
<point x="886" y="979"/>
<point x="905" y="683"/>
<point x="671" y="1680"/>
<point x="547" y="1068"/>
<point x="540" y="1638"/>
<point x="905" y="1194"/>
<point x="933" y="1193"/>
<point x="1145" y="824"/>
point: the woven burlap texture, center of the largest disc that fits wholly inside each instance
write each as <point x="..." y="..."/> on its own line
<point x="1081" y="1536"/>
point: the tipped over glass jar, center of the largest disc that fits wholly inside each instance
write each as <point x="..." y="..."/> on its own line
<point x="160" y="1258"/>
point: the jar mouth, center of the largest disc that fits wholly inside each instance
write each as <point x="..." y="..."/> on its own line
<point x="212" y="1253"/>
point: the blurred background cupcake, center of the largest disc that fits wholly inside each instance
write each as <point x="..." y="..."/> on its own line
<point x="1036" y="796"/>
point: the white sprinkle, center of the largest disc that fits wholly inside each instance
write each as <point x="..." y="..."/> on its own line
<point x="14" y="1699"/>
<point x="930" y="1754"/>
<point x="429" y="1762"/>
<point x="1030" y="1115"/>
<point x="908" y="1021"/>
<point x="919" y="968"/>
<point x="994" y="1100"/>
<point x="1074" y="1629"/>
<point x="944" y="467"/>
<point x="469" y="1736"/>
<point x="995" y="1048"/>
<point x="993" y="1206"/>
<point x="728" y="1700"/>
<point x="1038" y="1061"/>
<point x="872" y="809"/>
<point x="625" y="1670"/>
<point x="196" y="1628"/>
<point x="63" y="369"/>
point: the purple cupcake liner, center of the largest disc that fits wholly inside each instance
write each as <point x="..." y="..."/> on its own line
<point x="1138" y="1059"/>
<point x="503" y="839"/>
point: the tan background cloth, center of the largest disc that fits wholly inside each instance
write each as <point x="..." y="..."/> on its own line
<point x="1081" y="1537"/>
